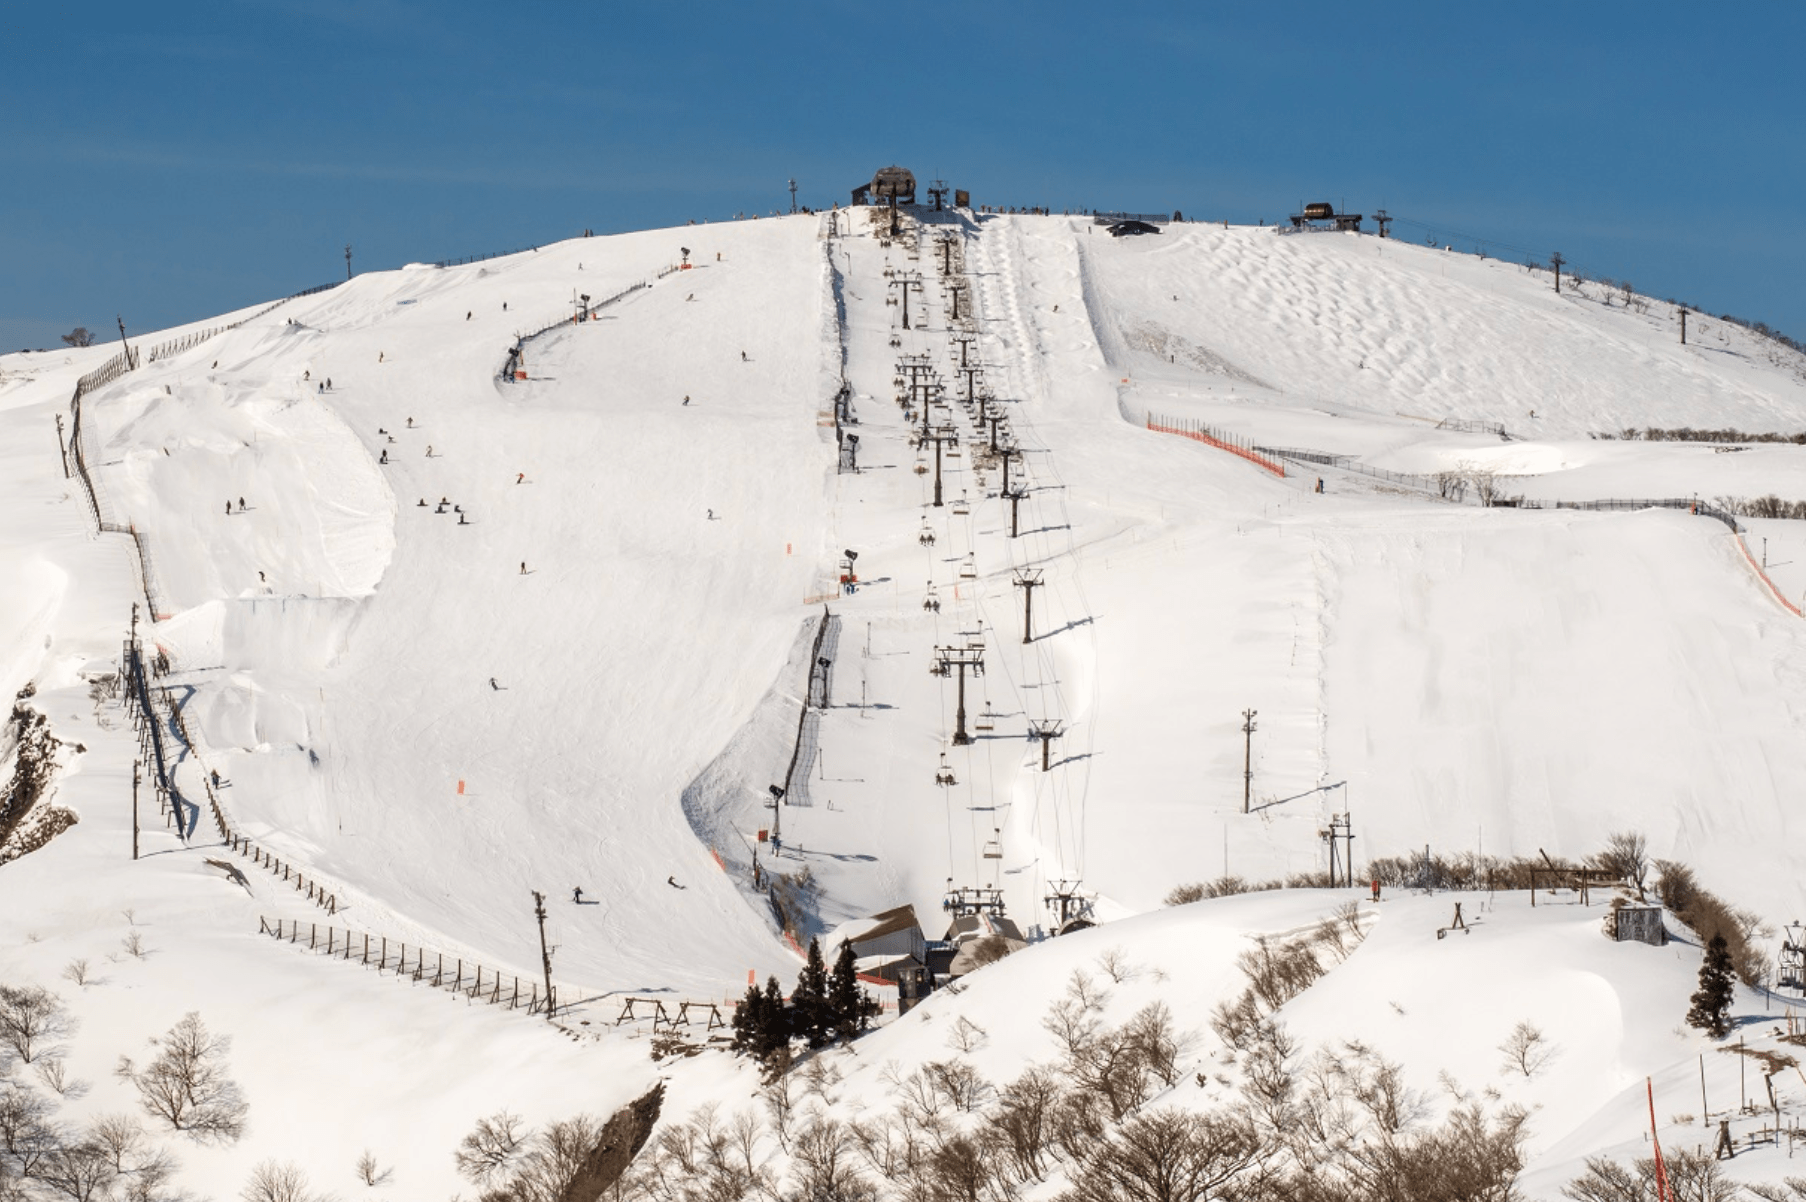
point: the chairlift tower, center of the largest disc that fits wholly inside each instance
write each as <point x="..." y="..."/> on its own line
<point x="1028" y="580"/>
<point x="1069" y="905"/>
<point x="907" y="280"/>
<point x="946" y="243"/>
<point x="1015" y="500"/>
<point x="1791" y="969"/>
<point x="938" y="190"/>
<point x="971" y="373"/>
<point x="966" y="900"/>
<point x="943" y="435"/>
<point x="1340" y="828"/>
<point x="1383" y="219"/>
<point x="793" y="196"/>
<point x="965" y="341"/>
<point x="959" y="660"/>
<point x="1047" y="730"/>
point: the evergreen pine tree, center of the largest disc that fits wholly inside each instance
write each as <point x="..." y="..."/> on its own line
<point x="1711" y="1008"/>
<point x="850" y="1005"/>
<point x="812" y="1017"/>
<point x="750" y="1022"/>
<point x="775" y="1027"/>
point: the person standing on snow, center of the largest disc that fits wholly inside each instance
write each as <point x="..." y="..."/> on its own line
<point x="577" y="895"/>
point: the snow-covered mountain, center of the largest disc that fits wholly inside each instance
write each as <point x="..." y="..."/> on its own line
<point x="449" y="638"/>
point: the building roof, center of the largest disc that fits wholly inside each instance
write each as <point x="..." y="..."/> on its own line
<point x="888" y="923"/>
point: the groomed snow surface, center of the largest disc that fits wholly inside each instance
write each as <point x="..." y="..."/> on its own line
<point x="587" y="670"/>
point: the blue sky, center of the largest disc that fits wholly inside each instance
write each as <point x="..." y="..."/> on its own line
<point x="169" y="162"/>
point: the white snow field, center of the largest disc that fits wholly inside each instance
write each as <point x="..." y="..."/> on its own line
<point x="581" y="663"/>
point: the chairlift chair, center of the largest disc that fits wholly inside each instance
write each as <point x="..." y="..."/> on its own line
<point x="945" y="776"/>
<point x="993" y="849"/>
<point x="933" y="602"/>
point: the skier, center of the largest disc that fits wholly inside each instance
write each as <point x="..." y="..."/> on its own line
<point x="422" y="504"/>
<point x="385" y="457"/>
<point x="241" y="504"/>
<point x="410" y="423"/>
<point x="577" y="895"/>
<point x="686" y="398"/>
<point x="711" y="514"/>
<point x="329" y="382"/>
<point x="379" y="356"/>
<point x="494" y="685"/>
<point x="467" y="315"/>
<point x="743" y="356"/>
<point x="307" y="375"/>
<point x="672" y="881"/>
<point x="228" y="506"/>
<point x="261" y="578"/>
<point x="216" y="778"/>
<point x="523" y="567"/>
<point x="322" y="387"/>
<point x="429" y="450"/>
<point x="461" y="520"/>
<point x="520" y="478"/>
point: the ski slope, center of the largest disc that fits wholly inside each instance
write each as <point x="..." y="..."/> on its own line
<point x="592" y="679"/>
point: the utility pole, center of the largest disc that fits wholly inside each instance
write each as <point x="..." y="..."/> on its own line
<point x="958" y="659"/>
<point x="134" y="809"/>
<point x="1340" y="828"/>
<point x="131" y="363"/>
<point x="1028" y="580"/>
<point x="1247" y="757"/>
<point x="1683" y="314"/>
<point x="1047" y="730"/>
<point x="347" y="260"/>
<point x="1556" y="262"/>
<point x="545" y="953"/>
<point x="944" y="435"/>
<point x="777" y="819"/>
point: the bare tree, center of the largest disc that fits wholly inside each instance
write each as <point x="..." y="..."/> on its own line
<point x="186" y="1085"/>
<point x="966" y="1034"/>
<point x="370" y="1172"/>
<point x="53" y="1071"/>
<point x="77" y="971"/>
<point x="120" y="1134"/>
<point x="79" y="336"/>
<point x="82" y="1171"/>
<point x="1169" y="1156"/>
<point x="27" y="1135"/>
<point x="823" y="1159"/>
<point x="488" y="1150"/>
<point x="1116" y="964"/>
<point x="31" y="1018"/>
<point x="1526" y="1050"/>
<point x="133" y="943"/>
<point x="1626" y="855"/>
<point x="276" y="1182"/>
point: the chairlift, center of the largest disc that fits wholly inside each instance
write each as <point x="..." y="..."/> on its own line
<point x="969" y="569"/>
<point x="994" y="848"/>
<point x="961" y="507"/>
<point x="933" y="603"/>
<point x="945" y="776"/>
<point x="926" y="537"/>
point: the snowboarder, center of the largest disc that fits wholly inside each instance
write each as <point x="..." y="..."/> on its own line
<point x="422" y="504"/>
<point x="686" y="398"/>
<point x="261" y="578"/>
<point x="228" y="506"/>
<point x="467" y="315"/>
<point x="577" y="895"/>
<point x="461" y="520"/>
<point x="429" y="450"/>
<point x="385" y="457"/>
<point x="523" y="567"/>
<point x="504" y="306"/>
<point x="241" y="504"/>
<point x="672" y="881"/>
<point x="307" y="375"/>
<point x="410" y="423"/>
<point x="743" y="356"/>
<point x="329" y="382"/>
<point x="379" y="356"/>
<point x="494" y="685"/>
<point x="711" y="514"/>
<point x="520" y="478"/>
